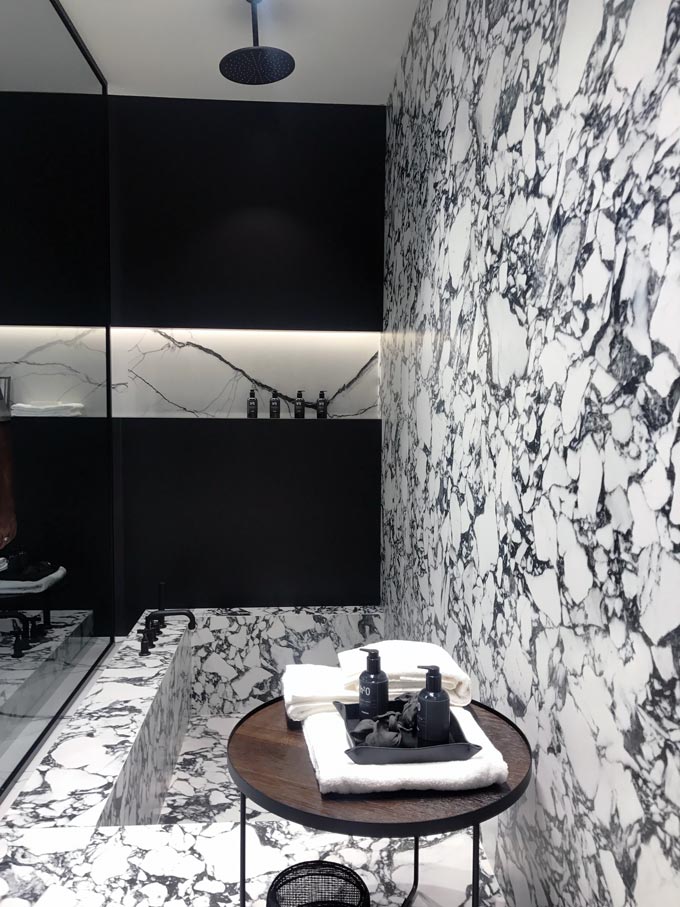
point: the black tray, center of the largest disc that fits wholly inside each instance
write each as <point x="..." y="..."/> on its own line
<point x="456" y="750"/>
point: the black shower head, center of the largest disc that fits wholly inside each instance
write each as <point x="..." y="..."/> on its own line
<point x="256" y="65"/>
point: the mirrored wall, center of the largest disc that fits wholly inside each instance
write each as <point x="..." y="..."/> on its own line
<point x="55" y="429"/>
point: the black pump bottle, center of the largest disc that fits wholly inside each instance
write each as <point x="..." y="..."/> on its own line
<point x="299" y="406"/>
<point x="275" y="406"/>
<point x="252" y="405"/>
<point x="373" y="687"/>
<point x="434" y="709"/>
<point x="322" y="406"/>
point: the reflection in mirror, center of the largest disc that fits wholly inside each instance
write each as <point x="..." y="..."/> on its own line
<point x="55" y="516"/>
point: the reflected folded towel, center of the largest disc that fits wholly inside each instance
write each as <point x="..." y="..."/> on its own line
<point x="326" y="740"/>
<point x="3" y="564"/>
<point x="18" y="586"/>
<point x="311" y="689"/>
<point x="47" y="409"/>
<point x="399" y="660"/>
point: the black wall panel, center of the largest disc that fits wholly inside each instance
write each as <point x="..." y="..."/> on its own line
<point x="53" y="224"/>
<point x="232" y="512"/>
<point x="62" y="497"/>
<point x="247" y="215"/>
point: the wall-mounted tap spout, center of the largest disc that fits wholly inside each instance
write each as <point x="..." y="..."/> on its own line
<point x="172" y="612"/>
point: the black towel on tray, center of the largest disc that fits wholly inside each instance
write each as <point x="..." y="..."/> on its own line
<point x="390" y="728"/>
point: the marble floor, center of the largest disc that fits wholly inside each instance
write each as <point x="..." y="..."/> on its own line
<point x="201" y="791"/>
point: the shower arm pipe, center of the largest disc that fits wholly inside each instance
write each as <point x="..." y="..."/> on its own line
<point x="256" y="28"/>
<point x="171" y="612"/>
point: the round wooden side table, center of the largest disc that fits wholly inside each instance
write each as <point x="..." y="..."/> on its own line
<point x="269" y="763"/>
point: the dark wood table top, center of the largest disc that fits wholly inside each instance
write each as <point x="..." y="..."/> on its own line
<point x="269" y="763"/>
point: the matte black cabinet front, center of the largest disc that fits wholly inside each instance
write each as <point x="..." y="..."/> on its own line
<point x="234" y="513"/>
<point x="54" y="222"/>
<point x="247" y="215"/>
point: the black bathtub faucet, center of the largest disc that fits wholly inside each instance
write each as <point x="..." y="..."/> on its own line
<point x="25" y="625"/>
<point x="171" y="612"/>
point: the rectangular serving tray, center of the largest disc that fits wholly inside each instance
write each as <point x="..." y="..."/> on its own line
<point x="456" y="750"/>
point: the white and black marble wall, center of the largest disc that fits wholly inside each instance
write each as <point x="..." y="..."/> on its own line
<point x="209" y="373"/>
<point x="240" y="654"/>
<point x="55" y="365"/>
<point x="529" y="396"/>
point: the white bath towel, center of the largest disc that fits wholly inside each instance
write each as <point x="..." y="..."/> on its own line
<point x="33" y="587"/>
<point x="47" y="409"/>
<point x="399" y="660"/>
<point x="311" y="689"/>
<point x="336" y="773"/>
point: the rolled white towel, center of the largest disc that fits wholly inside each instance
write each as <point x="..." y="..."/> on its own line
<point x="399" y="660"/>
<point x="327" y="742"/>
<point x="311" y="689"/>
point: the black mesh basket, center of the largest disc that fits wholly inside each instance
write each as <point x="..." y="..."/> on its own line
<point x="318" y="884"/>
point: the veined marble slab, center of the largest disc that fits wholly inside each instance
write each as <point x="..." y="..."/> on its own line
<point x="111" y="760"/>
<point x="55" y="365"/>
<point x="240" y="654"/>
<point x="209" y="373"/>
<point x="530" y="402"/>
<point x="16" y="673"/>
<point x="53" y="855"/>
<point x="197" y="865"/>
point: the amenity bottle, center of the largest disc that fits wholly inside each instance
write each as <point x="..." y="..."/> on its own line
<point x="373" y="687"/>
<point x="434" y="709"/>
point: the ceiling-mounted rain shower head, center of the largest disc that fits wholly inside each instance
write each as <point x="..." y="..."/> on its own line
<point x="256" y="65"/>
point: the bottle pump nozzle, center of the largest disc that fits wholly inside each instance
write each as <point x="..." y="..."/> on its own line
<point x="433" y="678"/>
<point x="373" y="660"/>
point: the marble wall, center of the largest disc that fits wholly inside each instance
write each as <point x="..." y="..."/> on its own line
<point x="240" y="654"/>
<point x="209" y="373"/>
<point x="61" y="365"/>
<point x="158" y="372"/>
<point x="529" y="394"/>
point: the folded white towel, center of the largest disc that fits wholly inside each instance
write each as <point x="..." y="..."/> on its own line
<point x="47" y="409"/>
<point x="16" y="587"/>
<point x="399" y="660"/>
<point x="326" y="740"/>
<point x="311" y="689"/>
<point x="3" y="564"/>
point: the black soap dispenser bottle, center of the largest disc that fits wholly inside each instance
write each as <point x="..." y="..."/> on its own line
<point x="299" y="406"/>
<point x="373" y="687"/>
<point x="275" y="406"/>
<point x="252" y="405"/>
<point x="434" y="709"/>
<point x="322" y="406"/>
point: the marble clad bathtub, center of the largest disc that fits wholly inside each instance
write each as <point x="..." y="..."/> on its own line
<point x="112" y="763"/>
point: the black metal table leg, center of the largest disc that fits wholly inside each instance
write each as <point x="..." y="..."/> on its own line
<point x="416" y="872"/>
<point x="475" y="866"/>
<point x="242" y="892"/>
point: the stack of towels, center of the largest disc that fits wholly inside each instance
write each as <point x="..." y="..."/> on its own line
<point x="47" y="409"/>
<point x="310" y="690"/>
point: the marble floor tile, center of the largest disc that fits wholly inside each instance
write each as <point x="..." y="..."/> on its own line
<point x="202" y="791"/>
